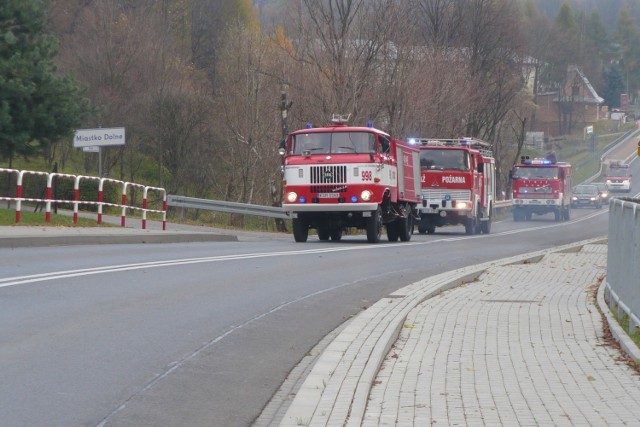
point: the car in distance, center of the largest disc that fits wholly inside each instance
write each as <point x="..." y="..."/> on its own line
<point x="604" y="191"/>
<point x="586" y="195"/>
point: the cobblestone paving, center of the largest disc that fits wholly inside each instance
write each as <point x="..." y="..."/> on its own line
<point x="521" y="346"/>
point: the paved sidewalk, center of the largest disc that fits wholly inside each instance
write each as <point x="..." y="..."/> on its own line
<point x="517" y="342"/>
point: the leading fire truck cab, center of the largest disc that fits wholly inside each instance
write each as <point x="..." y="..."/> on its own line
<point x="339" y="176"/>
<point x="541" y="186"/>
<point x="618" y="176"/>
<point x="458" y="184"/>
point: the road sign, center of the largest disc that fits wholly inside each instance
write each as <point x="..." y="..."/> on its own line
<point x="91" y="149"/>
<point x="589" y="130"/>
<point x="99" y="137"/>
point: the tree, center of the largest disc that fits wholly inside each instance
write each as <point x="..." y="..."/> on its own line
<point x="615" y="85"/>
<point x="628" y="40"/>
<point x="37" y="106"/>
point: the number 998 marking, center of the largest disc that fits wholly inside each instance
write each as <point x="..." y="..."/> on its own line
<point x="367" y="175"/>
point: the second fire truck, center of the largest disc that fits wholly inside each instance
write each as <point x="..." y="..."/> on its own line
<point x="541" y="186"/>
<point x="458" y="184"/>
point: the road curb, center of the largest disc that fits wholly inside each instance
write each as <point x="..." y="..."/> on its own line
<point x="89" y="239"/>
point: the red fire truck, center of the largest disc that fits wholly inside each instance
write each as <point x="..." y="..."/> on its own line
<point x="458" y="184"/>
<point x="339" y="176"/>
<point x="618" y="176"/>
<point x="541" y="186"/>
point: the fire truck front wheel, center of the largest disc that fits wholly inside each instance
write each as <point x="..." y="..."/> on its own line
<point x="374" y="227"/>
<point x="470" y="226"/>
<point x="300" y="230"/>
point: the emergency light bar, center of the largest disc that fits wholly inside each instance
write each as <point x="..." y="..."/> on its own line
<point x="477" y="144"/>
<point x="470" y="142"/>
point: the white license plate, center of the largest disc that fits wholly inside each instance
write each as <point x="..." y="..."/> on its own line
<point x="429" y="210"/>
<point x="328" y="195"/>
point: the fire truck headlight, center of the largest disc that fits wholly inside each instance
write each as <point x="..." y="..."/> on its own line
<point x="366" y="195"/>
<point x="462" y="205"/>
<point x="292" y="197"/>
<point x="574" y="198"/>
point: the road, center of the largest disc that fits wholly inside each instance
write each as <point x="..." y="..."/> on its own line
<point x="205" y="333"/>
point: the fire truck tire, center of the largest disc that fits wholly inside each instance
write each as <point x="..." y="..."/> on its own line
<point x="324" y="234"/>
<point x="516" y="215"/>
<point x="558" y="214"/>
<point x="528" y="215"/>
<point x="336" y="234"/>
<point x="567" y="213"/>
<point x="422" y="229"/>
<point x="374" y="227"/>
<point x="431" y="229"/>
<point x="470" y="226"/>
<point x="392" y="231"/>
<point x="485" y="226"/>
<point x="405" y="228"/>
<point x="300" y="230"/>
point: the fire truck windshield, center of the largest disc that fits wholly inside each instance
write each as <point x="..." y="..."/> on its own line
<point x="618" y="172"/>
<point x="520" y="172"/>
<point x="334" y="142"/>
<point x="441" y="159"/>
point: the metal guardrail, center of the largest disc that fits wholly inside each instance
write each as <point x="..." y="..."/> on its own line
<point x="222" y="206"/>
<point x="248" y="209"/>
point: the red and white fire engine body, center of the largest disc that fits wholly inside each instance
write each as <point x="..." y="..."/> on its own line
<point x="541" y="186"/>
<point x="339" y="176"/>
<point x="618" y="176"/>
<point x="458" y="184"/>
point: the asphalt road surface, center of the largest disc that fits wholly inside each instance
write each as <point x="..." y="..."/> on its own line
<point x="203" y="334"/>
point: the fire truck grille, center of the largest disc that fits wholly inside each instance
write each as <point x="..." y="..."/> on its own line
<point x="328" y="174"/>
<point x="435" y="194"/>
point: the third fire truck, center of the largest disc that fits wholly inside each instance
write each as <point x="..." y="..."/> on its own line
<point x="541" y="186"/>
<point x="458" y="184"/>
<point x="618" y="176"/>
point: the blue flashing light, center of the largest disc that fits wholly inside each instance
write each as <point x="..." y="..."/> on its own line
<point x="354" y="199"/>
<point x="303" y="199"/>
<point x="370" y="124"/>
<point x="464" y="142"/>
<point x="309" y="126"/>
<point x="546" y="162"/>
<point x="447" y="197"/>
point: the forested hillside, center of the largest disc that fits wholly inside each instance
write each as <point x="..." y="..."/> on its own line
<point x="199" y="84"/>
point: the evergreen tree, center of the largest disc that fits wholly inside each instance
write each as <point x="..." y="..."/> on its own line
<point x="597" y="34"/>
<point x="615" y="85"/>
<point x="628" y="40"/>
<point x="37" y="107"/>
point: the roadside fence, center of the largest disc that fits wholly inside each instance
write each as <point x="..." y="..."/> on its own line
<point x="122" y="187"/>
<point x="623" y="270"/>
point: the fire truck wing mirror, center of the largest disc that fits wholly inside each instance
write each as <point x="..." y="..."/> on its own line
<point x="281" y="147"/>
<point x="481" y="167"/>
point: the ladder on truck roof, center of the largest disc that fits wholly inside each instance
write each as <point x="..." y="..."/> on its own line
<point x="477" y="144"/>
